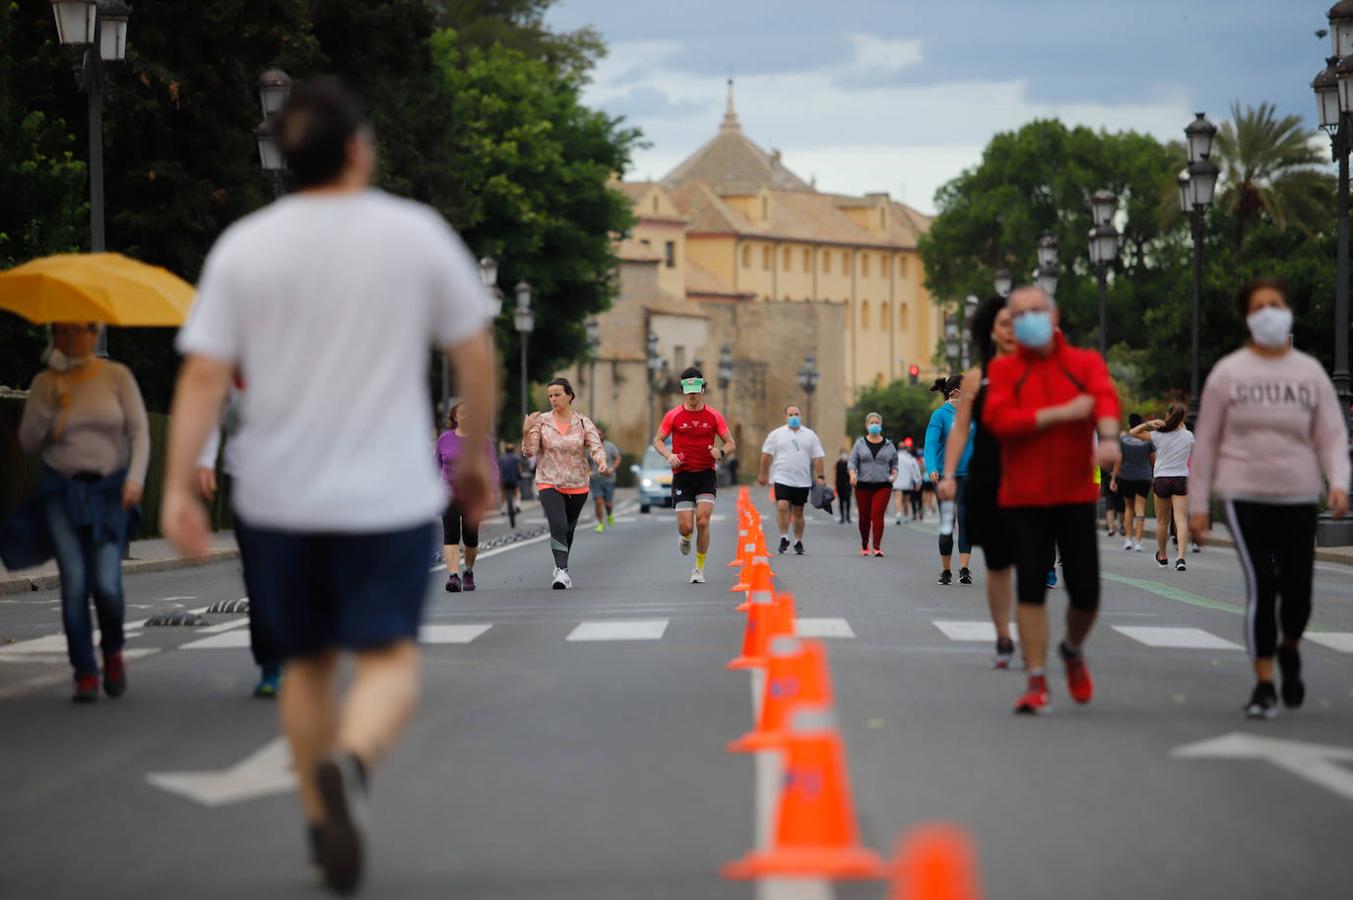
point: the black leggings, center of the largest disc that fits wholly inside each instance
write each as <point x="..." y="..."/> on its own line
<point x="960" y="524"/>
<point x="1039" y="533"/>
<point x="1276" y="544"/>
<point x="843" y="495"/>
<point x="561" y="512"/>
<point x="915" y="497"/>
<point x="455" y="529"/>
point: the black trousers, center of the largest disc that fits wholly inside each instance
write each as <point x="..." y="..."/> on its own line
<point x="260" y="644"/>
<point x="843" y="497"/>
<point x="1276" y="545"/>
<point x="1039" y="533"/>
<point x="561" y="512"/>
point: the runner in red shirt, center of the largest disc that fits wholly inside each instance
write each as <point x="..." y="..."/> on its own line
<point x="692" y="427"/>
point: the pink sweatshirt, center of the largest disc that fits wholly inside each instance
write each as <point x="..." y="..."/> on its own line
<point x="1266" y="429"/>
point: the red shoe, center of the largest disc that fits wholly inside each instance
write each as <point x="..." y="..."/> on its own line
<point x="86" y="689"/>
<point x="878" y="552"/>
<point x="1078" y="680"/>
<point x="1035" y="700"/>
<point x="864" y="551"/>
<point x="114" y="675"/>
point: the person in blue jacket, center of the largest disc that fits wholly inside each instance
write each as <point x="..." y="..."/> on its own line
<point x="936" y="437"/>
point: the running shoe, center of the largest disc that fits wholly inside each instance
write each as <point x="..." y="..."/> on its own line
<point x="798" y="548"/>
<point x="878" y="551"/>
<point x="1078" y="680"/>
<point x="1294" y="689"/>
<point x="114" y="675"/>
<point x="697" y="575"/>
<point x="86" y="689"/>
<point x="784" y="544"/>
<point x="453" y="583"/>
<point x="269" y="682"/>
<point x="468" y="581"/>
<point x="864" y="551"/>
<point x="898" y="520"/>
<point x="1137" y="546"/>
<point x="561" y="580"/>
<point x="964" y="576"/>
<point x="1263" y="702"/>
<point x="601" y="526"/>
<point x="1161" y="559"/>
<point x="1005" y="652"/>
<point x="1180" y="565"/>
<point x="1197" y="547"/>
<point x="1035" y="700"/>
<point x="685" y="544"/>
<point x="1127" y="545"/>
<point x="1052" y="577"/>
<point x="610" y="520"/>
<point x="342" y="789"/>
<point x="946" y="577"/>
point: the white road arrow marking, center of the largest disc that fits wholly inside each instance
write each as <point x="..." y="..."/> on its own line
<point x="266" y="771"/>
<point x="1314" y="762"/>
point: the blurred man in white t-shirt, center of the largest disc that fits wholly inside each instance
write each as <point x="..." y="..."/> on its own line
<point x="791" y="459"/>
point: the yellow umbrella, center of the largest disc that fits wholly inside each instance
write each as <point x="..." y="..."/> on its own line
<point x="95" y="287"/>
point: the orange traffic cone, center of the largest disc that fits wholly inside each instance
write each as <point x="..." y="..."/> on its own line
<point x="751" y="582"/>
<point x="815" y="832"/>
<point x="746" y="548"/>
<point x="935" y="862"/>
<point x="764" y="623"/>
<point x="747" y="580"/>
<point x="796" y="675"/>
<point x="784" y="609"/>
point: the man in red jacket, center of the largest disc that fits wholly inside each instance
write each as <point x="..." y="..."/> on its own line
<point x="1044" y="404"/>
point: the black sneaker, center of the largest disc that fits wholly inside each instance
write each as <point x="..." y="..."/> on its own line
<point x="946" y="577"/>
<point x="798" y="548"/>
<point x="1161" y="559"/>
<point x="1263" y="702"/>
<point x="453" y="585"/>
<point x="1005" y="652"/>
<point x="964" y="576"/>
<point x="1180" y="565"/>
<point x="784" y="544"/>
<point x="1294" y="690"/>
<point x="342" y="788"/>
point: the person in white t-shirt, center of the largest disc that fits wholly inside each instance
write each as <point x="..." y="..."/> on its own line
<point x="1173" y="444"/>
<point x="325" y="304"/>
<point x="791" y="459"/>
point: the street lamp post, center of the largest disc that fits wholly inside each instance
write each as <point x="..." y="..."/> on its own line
<point x="593" y="344"/>
<point x="970" y="305"/>
<point x="1045" y="276"/>
<point x="1195" y="195"/>
<point x="725" y="373"/>
<point x="274" y="87"/>
<point x="951" y="348"/>
<point x="1004" y="282"/>
<point x="1334" y="95"/>
<point x="1103" y="251"/>
<point x="525" y="322"/>
<point x="808" y="378"/>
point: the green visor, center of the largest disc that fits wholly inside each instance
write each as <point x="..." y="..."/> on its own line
<point x="692" y="385"/>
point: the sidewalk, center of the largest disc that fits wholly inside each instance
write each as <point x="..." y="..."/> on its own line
<point x="145" y="556"/>
<point x="1221" y="537"/>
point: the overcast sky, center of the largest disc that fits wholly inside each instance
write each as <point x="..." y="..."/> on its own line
<point x="901" y="95"/>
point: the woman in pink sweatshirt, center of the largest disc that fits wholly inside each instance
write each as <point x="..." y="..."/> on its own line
<point x="1262" y="403"/>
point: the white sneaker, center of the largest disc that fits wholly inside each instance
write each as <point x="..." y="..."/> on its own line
<point x="561" y="580"/>
<point x="898" y="520"/>
<point x="697" y="575"/>
<point x="685" y="544"/>
<point x="1137" y="546"/>
<point x="1127" y="544"/>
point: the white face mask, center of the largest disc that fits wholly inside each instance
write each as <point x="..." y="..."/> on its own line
<point x="56" y="360"/>
<point x="1270" y="326"/>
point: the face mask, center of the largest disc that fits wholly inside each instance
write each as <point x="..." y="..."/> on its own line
<point x="1270" y="326"/>
<point x="1034" y="329"/>
<point x="875" y="428"/>
<point x="795" y="421"/>
<point x="56" y="360"/>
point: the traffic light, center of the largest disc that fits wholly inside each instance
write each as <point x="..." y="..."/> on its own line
<point x="906" y="441"/>
<point x="914" y="373"/>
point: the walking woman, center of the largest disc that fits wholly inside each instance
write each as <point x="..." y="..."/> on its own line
<point x="86" y="416"/>
<point x="843" y="483"/>
<point x="937" y="436"/>
<point x="1131" y="478"/>
<point x="873" y="469"/>
<point x="1261" y="403"/>
<point x="456" y="528"/>
<point x="562" y="442"/>
<point x="1173" y="445"/>
<point x="993" y="336"/>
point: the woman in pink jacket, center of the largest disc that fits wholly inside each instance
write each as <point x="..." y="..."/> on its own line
<point x="1262" y="403"/>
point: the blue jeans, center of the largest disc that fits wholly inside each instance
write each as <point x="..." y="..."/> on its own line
<point x="87" y="567"/>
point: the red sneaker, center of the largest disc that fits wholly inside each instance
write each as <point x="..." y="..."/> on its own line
<point x="878" y="552"/>
<point x="1035" y="699"/>
<point x="1078" y="680"/>
<point x="864" y="551"/>
<point x="114" y="675"/>
<point x="86" y="689"/>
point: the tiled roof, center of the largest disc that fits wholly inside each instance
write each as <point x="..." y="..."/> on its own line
<point x="731" y="161"/>
<point x="631" y="250"/>
<point x="702" y="282"/>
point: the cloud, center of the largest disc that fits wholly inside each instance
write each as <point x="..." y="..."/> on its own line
<point x="883" y="56"/>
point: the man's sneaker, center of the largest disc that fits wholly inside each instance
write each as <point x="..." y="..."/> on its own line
<point x="1127" y="545"/>
<point x="561" y="580"/>
<point x="946" y="577"/>
<point x="898" y="520"/>
<point x="1263" y="702"/>
<point x="114" y="675"/>
<point x="1005" y="652"/>
<point x="1078" y="680"/>
<point x="1137" y="546"/>
<point x="342" y="789"/>
<point x="685" y="545"/>
<point x="1197" y="547"/>
<point x="86" y="689"/>
<point x="798" y="548"/>
<point x="1052" y="577"/>
<point x="1294" y="690"/>
<point x="467" y="582"/>
<point x="269" y="682"/>
<point x="610" y="520"/>
<point x="697" y="575"/>
<point x="453" y="584"/>
<point x="784" y="544"/>
<point x="1161" y="559"/>
<point x="964" y="576"/>
<point x="1180" y="565"/>
<point x="601" y="526"/>
<point x="1034" y="700"/>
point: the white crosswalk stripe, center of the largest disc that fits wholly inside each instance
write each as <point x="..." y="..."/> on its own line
<point x="1335" y="640"/>
<point x="975" y="631"/>
<point x="823" y="628"/>
<point x="1178" y="638"/>
<point x="634" y="630"/>
<point x="450" y="634"/>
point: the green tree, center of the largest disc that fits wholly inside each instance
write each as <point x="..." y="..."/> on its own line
<point x="520" y="25"/>
<point x="905" y="409"/>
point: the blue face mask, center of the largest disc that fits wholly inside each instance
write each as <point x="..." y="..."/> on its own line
<point x="875" y="428"/>
<point x="795" y="421"/>
<point x="1034" y="329"/>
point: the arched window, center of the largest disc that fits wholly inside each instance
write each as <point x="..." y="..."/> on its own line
<point x="864" y="264"/>
<point x="766" y="257"/>
<point x="845" y="261"/>
<point x="746" y="256"/>
<point x="789" y="259"/>
<point x="884" y="319"/>
<point x="864" y="315"/>
<point x="887" y="266"/>
<point x="902" y="316"/>
<point x="807" y="260"/>
<point x="827" y="261"/>
<point x="901" y="267"/>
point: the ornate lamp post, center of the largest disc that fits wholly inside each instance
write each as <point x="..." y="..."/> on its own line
<point x="525" y="322"/>
<point x="808" y="378"/>
<point x="1334" y="96"/>
<point x="593" y="345"/>
<point x="725" y="373"/>
<point x="951" y="348"/>
<point x="1004" y="282"/>
<point x="970" y="304"/>
<point x="1195" y="195"/>
<point x="274" y="87"/>
<point x="1045" y="276"/>
<point x="1103" y="251"/>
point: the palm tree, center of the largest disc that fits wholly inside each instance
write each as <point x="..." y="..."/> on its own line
<point x="1267" y="169"/>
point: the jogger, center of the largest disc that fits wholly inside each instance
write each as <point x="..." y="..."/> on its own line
<point x="562" y="512"/>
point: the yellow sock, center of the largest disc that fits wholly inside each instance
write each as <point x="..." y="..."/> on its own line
<point x="699" y="560"/>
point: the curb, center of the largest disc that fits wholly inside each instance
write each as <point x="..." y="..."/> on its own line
<point x="1221" y="538"/>
<point x="23" y="584"/>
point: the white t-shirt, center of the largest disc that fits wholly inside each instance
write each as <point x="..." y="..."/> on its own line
<point x="1173" y="449"/>
<point x="792" y="455"/>
<point x="327" y="306"/>
<point x="908" y="472"/>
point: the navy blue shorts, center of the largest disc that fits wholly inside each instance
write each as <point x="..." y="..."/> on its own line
<point x="315" y="591"/>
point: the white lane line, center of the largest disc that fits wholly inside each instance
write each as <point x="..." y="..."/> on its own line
<point x="1177" y="638"/>
<point x="637" y="630"/>
<point x="487" y="554"/>
<point x="823" y="628"/>
<point x="224" y="626"/>
<point x="1335" y="640"/>
<point x="971" y="631"/>
<point x="230" y="640"/>
<point x="450" y="634"/>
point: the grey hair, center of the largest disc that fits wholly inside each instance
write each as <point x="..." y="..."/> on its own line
<point x="874" y="415"/>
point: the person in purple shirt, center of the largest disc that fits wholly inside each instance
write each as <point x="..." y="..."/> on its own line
<point x="455" y="528"/>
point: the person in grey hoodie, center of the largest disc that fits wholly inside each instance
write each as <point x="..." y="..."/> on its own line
<point x="873" y="469"/>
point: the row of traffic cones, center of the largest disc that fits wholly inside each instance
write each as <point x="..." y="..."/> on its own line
<point x="815" y="833"/>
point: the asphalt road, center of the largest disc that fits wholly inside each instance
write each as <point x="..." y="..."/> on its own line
<point x="541" y="766"/>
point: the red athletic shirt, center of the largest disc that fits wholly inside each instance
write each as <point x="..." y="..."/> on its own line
<point x="692" y="434"/>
